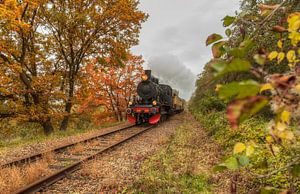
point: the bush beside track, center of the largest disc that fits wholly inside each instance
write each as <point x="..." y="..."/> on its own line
<point x="213" y="119"/>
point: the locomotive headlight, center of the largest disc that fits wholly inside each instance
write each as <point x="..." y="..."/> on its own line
<point x="154" y="103"/>
<point x="144" y="77"/>
<point x="130" y="103"/>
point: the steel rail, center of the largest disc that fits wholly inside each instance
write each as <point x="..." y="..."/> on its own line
<point x="49" y="180"/>
<point x="35" y="157"/>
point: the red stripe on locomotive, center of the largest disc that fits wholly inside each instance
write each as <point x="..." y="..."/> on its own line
<point x="145" y="110"/>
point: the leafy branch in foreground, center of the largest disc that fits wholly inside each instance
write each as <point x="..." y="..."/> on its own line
<point x="243" y="55"/>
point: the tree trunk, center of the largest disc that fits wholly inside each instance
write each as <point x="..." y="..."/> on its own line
<point x="47" y="126"/>
<point x="119" y="117"/>
<point x="65" y="121"/>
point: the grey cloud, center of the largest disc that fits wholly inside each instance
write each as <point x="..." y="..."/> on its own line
<point x="170" y="70"/>
<point x="180" y="28"/>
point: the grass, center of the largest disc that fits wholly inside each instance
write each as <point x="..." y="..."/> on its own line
<point x="33" y="134"/>
<point x="173" y="168"/>
<point x="13" y="178"/>
<point x="263" y="161"/>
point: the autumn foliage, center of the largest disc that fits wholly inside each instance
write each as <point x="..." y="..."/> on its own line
<point x="256" y="68"/>
<point x="110" y="89"/>
<point x="45" y="47"/>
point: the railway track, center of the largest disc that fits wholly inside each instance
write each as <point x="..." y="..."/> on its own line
<point x="37" y="156"/>
<point x="67" y="159"/>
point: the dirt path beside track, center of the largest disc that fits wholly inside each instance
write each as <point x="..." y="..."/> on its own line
<point x="123" y="169"/>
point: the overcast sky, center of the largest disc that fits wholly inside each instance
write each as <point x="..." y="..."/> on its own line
<point x="173" y="39"/>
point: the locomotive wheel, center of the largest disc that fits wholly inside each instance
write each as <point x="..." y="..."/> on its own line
<point x="163" y="118"/>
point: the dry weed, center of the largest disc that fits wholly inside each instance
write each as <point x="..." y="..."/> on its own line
<point x="36" y="170"/>
<point x="161" y="140"/>
<point x="13" y="178"/>
<point x="10" y="179"/>
<point x="48" y="157"/>
<point x="91" y="170"/>
<point x="94" y="143"/>
<point x="78" y="148"/>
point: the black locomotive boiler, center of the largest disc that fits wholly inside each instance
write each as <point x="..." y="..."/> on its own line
<point x="154" y="103"/>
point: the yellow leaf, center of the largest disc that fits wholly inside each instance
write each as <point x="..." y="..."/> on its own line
<point x="281" y="126"/>
<point x="238" y="148"/>
<point x="288" y="135"/>
<point x="294" y="22"/>
<point x="275" y="149"/>
<point x="249" y="150"/>
<point x="297" y="88"/>
<point x="295" y="37"/>
<point x="218" y="86"/>
<point x="279" y="43"/>
<point x="269" y="139"/>
<point x="296" y="25"/>
<point x="280" y="57"/>
<point x="292" y="65"/>
<point x="285" y="116"/>
<point x="266" y="87"/>
<point x="273" y="55"/>
<point x="291" y="56"/>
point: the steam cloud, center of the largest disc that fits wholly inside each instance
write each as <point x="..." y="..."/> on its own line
<point x="170" y="70"/>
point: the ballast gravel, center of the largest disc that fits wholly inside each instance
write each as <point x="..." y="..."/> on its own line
<point x="117" y="170"/>
<point x="8" y="155"/>
<point x="111" y="172"/>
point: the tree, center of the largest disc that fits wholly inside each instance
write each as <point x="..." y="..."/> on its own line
<point x="85" y="29"/>
<point x="112" y="87"/>
<point x="45" y="44"/>
<point x="27" y="76"/>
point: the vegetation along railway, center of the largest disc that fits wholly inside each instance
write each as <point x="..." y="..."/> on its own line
<point x="154" y="103"/>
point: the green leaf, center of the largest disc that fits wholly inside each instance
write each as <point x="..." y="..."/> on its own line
<point x="270" y="190"/>
<point x="228" y="32"/>
<point x="260" y="59"/>
<point x="296" y="170"/>
<point x="213" y="38"/>
<point x="247" y="44"/>
<point x="228" y="20"/>
<point x="219" y="168"/>
<point x="237" y="52"/>
<point x="239" y="90"/>
<point x="218" y="50"/>
<point x="242" y="50"/>
<point x="239" y="65"/>
<point x="253" y="107"/>
<point x="236" y="65"/>
<point x="244" y="160"/>
<point x="240" y="110"/>
<point x="232" y="163"/>
<point x="219" y="65"/>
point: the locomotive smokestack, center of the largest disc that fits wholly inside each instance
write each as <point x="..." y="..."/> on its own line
<point x="148" y="73"/>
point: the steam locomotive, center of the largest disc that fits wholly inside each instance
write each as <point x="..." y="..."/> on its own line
<point x="154" y="103"/>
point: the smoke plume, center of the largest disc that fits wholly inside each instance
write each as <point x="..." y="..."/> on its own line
<point x="170" y="70"/>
